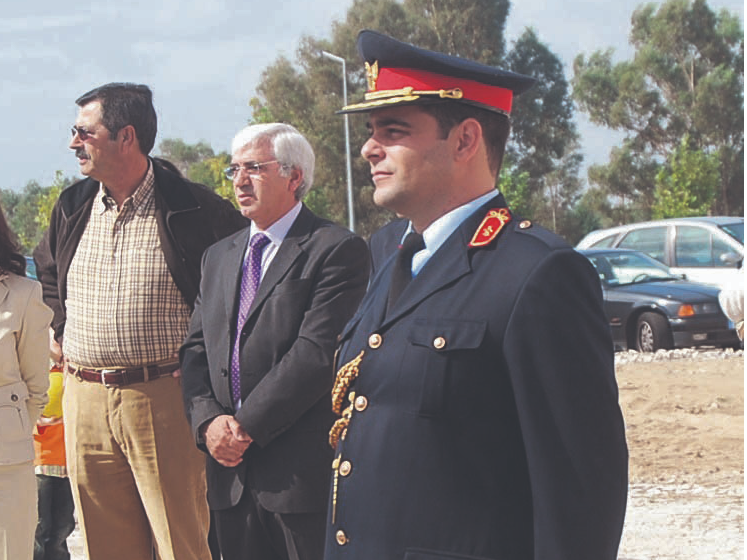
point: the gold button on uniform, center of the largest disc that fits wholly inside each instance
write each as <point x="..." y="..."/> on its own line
<point x="525" y="224"/>
<point x="345" y="468"/>
<point x="361" y="403"/>
<point x="439" y="342"/>
<point x="374" y="341"/>
<point x="341" y="537"/>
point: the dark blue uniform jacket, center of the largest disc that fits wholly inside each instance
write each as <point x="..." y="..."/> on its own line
<point x="486" y="422"/>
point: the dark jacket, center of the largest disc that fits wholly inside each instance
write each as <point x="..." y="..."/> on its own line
<point x="486" y="422"/>
<point x="190" y="218"/>
<point x="311" y="288"/>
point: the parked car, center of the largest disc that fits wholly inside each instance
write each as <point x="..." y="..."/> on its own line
<point x="650" y="308"/>
<point x="708" y="249"/>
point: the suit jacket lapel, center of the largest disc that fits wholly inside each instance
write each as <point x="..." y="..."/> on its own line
<point x="232" y="275"/>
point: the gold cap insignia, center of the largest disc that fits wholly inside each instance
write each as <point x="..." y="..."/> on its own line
<point x="372" y="74"/>
<point x="490" y="227"/>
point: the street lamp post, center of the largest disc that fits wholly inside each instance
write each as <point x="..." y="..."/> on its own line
<point x="351" y="213"/>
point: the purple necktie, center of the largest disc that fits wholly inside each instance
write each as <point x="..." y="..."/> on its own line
<point x="249" y="284"/>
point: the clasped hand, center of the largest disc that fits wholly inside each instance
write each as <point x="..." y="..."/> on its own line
<point x="226" y="440"/>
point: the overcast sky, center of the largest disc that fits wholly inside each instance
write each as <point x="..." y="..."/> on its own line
<point x="203" y="59"/>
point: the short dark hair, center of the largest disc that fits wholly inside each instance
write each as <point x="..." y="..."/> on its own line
<point x="11" y="259"/>
<point x="125" y="104"/>
<point x="495" y="126"/>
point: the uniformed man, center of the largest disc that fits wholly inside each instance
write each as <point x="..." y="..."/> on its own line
<point x="478" y="406"/>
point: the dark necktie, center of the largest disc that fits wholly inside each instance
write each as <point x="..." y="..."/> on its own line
<point x="402" y="273"/>
<point x="252" y="272"/>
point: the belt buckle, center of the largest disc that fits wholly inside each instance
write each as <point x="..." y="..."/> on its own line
<point x="103" y="376"/>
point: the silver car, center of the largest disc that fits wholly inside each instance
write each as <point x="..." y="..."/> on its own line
<point x="708" y="249"/>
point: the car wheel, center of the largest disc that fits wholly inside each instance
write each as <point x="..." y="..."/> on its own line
<point x="653" y="333"/>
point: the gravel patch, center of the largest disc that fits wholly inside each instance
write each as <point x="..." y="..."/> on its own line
<point x="691" y="354"/>
<point x="683" y="522"/>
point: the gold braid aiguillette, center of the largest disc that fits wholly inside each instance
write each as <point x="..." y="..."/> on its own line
<point x="345" y="376"/>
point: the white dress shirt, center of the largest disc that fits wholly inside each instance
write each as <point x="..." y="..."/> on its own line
<point x="276" y="232"/>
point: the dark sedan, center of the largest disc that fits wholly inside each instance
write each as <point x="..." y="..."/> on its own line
<point x="649" y="308"/>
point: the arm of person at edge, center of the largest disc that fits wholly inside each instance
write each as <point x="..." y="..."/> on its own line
<point x="560" y="359"/>
<point x="33" y="362"/>
<point x="303" y="375"/>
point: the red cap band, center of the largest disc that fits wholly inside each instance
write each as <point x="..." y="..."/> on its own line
<point x="398" y="78"/>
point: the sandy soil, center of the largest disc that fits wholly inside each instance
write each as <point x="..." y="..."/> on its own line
<point x="685" y="430"/>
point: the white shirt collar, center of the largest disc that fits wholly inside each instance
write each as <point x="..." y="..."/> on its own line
<point x="278" y="230"/>
<point x="440" y="230"/>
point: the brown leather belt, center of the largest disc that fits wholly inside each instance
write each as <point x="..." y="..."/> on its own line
<point x="119" y="377"/>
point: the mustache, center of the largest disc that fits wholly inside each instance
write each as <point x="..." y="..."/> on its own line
<point x="81" y="153"/>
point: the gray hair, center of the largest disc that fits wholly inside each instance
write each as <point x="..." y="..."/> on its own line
<point x="289" y="146"/>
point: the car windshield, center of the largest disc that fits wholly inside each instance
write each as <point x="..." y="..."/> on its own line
<point x="629" y="268"/>
<point x="736" y="230"/>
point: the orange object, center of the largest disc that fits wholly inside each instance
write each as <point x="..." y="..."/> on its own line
<point x="686" y="310"/>
<point x="49" y="445"/>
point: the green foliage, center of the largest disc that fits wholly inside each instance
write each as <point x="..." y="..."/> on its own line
<point x="543" y="129"/>
<point x="46" y="200"/>
<point x="184" y="155"/>
<point x="686" y="78"/>
<point x="628" y="179"/>
<point x="28" y="212"/>
<point x="514" y="185"/>
<point x="471" y="30"/>
<point x="199" y="163"/>
<point x="211" y="172"/>
<point x="687" y="185"/>
<point x="260" y="113"/>
<point x="579" y="221"/>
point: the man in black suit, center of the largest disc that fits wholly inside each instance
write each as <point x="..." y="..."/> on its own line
<point x="257" y="363"/>
<point x="479" y="414"/>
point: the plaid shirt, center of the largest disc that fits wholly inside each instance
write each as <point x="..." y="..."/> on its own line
<point x="123" y="308"/>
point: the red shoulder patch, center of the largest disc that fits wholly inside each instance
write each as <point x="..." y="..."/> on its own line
<point x="491" y="226"/>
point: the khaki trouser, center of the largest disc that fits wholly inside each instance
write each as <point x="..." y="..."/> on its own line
<point x="17" y="511"/>
<point x="138" y="480"/>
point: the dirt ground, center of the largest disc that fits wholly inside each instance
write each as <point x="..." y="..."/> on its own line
<point x="685" y="432"/>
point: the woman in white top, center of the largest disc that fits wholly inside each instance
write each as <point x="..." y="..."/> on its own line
<point x="24" y="378"/>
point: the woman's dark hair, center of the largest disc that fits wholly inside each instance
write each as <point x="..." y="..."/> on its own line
<point x="11" y="260"/>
